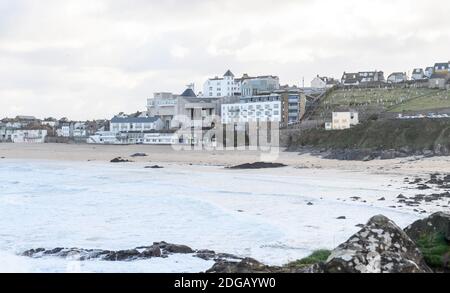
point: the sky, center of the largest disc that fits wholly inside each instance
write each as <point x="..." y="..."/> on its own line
<point x="87" y="59"/>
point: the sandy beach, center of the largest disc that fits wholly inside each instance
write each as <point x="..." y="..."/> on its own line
<point x="167" y="155"/>
<point x="67" y="195"/>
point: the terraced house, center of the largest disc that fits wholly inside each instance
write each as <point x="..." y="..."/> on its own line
<point x="441" y="76"/>
<point x="362" y="78"/>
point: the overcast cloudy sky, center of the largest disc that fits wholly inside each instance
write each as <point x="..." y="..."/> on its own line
<point x="91" y="59"/>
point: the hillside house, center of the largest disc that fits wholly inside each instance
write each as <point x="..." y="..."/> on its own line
<point x="323" y="82"/>
<point x="418" y="74"/>
<point x="441" y="76"/>
<point x="397" y="77"/>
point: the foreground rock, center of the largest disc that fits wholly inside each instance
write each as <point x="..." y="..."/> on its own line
<point x="258" y="165"/>
<point x="380" y="247"/>
<point x="438" y="223"/>
<point x="432" y="236"/>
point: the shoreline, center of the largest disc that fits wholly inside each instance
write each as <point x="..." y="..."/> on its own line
<point x="409" y="166"/>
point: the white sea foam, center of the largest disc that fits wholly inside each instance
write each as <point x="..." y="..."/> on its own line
<point x="248" y="213"/>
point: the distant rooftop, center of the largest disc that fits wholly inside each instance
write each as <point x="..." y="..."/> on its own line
<point x="189" y="93"/>
<point x="228" y="73"/>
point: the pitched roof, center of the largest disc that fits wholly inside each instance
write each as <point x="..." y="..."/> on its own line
<point x="134" y="119"/>
<point x="189" y="93"/>
<point x="229" y="73"/>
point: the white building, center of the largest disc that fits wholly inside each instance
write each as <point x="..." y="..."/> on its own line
<point x="79" y="129"/>
<point x="251" y="112"/>
<point x="29" y="136"/>
<point x="343" y="120"/>
<point x="103" y="137"/>
<point x="136" y="124"/>
<point x="219" y="87"/>
<point x="251" y="86"/>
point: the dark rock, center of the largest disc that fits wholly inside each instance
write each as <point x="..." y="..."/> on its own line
<point x="380" y="247"/>
<point x="401" y="196"/>
<point x="423" y="187"/>
<point x="139" y="155"/>
<point x="119" y="160"/>
<point x="153" y="167"/>
<point x="122" y="255"/>
<point x="258" y="165"/>
<point x="246" y="266"/>
<point x="436" y="223"/>
<point x="152" y="251"/>
<point x="381" y="199"/>
<point x="341" y="218"/>
<point x="310" y="204"/>
<point x="173" y="248"/>
<point x="205" y="254"/>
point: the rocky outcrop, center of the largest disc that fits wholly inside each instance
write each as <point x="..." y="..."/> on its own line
<point x="438" y="223"/>
<point x="158" y="249"/>
<point x="258" y="165"/>
<point x="379" y="247"/>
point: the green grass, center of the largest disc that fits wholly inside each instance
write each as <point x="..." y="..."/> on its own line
<point x="316" y="257"/>
<point x="435" y="250"/>
<point x="438" y="100"/>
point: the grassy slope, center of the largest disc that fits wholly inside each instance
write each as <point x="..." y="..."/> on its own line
<point x="370" y="101"/>
<point x="384" y="134"/>
<point x="438" y="100"/>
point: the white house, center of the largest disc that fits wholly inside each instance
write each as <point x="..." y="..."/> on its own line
<point x="66" y="130"/>
<point x="418" y="74"/>
<point x="343" y="120"/>
<point x="397" y="77"/>
<point x="218" y="87"/>
<point x="323" y="82"/>
<point x="252" y="112"/>
<point x="29" y="136"/>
